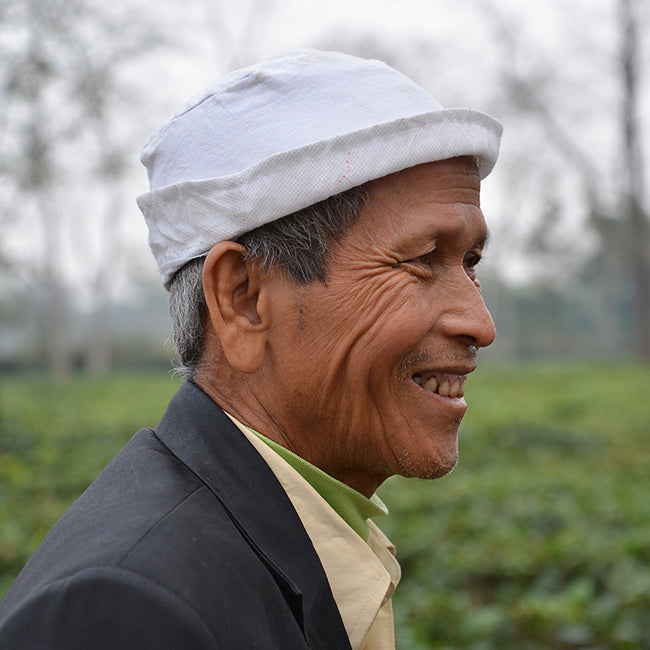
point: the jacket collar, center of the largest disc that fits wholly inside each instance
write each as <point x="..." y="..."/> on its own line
<point x="197" y="431"/>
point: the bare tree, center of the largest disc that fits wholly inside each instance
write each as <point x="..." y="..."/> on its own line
<point x="617" y="212"/>
<point x="64" y="103"/>
<point x="636" y="213"/>
<point x="235" y="45"/>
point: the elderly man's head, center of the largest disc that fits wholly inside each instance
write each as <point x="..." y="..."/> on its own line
<point x="345" y="330"/>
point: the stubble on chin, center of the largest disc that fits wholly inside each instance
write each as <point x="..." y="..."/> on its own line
<point x="431" y="465"/>
<point x="427" y="468"/>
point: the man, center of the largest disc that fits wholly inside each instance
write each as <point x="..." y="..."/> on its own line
<point x="316" y="220"/>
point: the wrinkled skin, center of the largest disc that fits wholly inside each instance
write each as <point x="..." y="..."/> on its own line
<point x="335" y="381"/>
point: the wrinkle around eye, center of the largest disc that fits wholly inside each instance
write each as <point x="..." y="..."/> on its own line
<point x="425" y="260"/>
<point x="418" y="270"/>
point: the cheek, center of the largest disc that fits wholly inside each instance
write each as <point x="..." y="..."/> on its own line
<point x="398" y="324"/>
<point x="377" y="328"/>
<point x="371" y="368"/>
<point x="357" y="334"/>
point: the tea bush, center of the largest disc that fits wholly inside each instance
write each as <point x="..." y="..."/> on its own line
<point x="539" y="539"/>
<point x="541" y="536"/>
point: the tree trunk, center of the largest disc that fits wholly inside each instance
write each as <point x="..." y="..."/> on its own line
<point x="55" y="318"/>
<point x="638" y="228"/>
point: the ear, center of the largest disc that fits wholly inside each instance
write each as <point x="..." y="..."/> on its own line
<point x="238" y="311"/>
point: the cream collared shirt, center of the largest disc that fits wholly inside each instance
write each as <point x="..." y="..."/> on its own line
<point x="362" y="576"/>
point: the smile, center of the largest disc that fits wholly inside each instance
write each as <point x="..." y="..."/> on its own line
<point x="445" y="385"/>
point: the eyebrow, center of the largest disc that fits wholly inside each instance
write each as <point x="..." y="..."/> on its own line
<point x="435" y="235"/>
<point x="482" y="241"/>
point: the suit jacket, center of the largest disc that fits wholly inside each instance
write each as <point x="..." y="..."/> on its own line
<point x="186" y="540"/>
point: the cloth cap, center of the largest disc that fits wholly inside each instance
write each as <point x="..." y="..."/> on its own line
<point x="276" y="137"/>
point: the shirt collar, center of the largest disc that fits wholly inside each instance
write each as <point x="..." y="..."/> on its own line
<point x="352" y="506"/>
<point x="362" y="576"/>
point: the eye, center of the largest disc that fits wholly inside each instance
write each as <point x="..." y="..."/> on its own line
<point x="425" y="260"/>
<point x="471" y="260"/>
<point x="423" y="266"/>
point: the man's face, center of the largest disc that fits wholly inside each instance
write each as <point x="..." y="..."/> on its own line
<point x="372" y="365"/>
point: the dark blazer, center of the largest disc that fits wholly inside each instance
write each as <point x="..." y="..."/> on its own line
<point x="186" y="540"/>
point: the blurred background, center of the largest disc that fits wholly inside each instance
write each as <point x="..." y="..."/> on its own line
<point x="84" y="83"/>
<point x="540" y="539"/>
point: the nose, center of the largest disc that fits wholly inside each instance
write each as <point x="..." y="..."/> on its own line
<point x="466" y="315"/>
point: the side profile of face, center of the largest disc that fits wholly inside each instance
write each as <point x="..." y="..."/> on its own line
<point x="367" y="372"/>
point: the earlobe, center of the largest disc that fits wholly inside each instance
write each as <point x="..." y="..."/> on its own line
<point x="233" y="288"/>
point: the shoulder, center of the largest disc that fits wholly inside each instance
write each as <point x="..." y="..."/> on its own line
<point x="178" y="587"/>
<point x="147" y="557"/>
<point x="104" y="607"/>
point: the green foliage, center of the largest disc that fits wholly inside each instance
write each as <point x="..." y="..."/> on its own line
<point x="539" y="539"/>
<point x="54" y="440"/>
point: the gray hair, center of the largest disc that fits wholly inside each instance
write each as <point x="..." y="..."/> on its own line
<point x="300" y="245"/>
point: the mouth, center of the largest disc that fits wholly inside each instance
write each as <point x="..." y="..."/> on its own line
<point x="443" y="384"/>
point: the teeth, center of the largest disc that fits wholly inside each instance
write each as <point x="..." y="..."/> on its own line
<point x="444" y="388"/>
<point x="431" y="384"/>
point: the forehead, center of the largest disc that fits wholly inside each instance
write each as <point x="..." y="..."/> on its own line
<point x="444" y="181"/>
<point x="440" y="198"/>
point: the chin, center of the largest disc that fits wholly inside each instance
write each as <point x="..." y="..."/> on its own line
<point x="428" y="468"/>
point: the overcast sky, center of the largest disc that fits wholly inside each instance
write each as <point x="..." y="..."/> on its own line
<point x="457" y="49"/>
<point x="453" y="48"/>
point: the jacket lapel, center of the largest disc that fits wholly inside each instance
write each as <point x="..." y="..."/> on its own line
<point x="196" y="431"/>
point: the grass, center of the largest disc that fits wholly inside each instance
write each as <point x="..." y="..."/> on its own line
<point x="539" y="539"/>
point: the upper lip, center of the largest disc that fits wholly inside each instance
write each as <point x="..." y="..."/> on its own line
<point x="450" y="371"/>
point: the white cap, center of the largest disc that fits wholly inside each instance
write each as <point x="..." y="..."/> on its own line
<point x="279" y="136"/>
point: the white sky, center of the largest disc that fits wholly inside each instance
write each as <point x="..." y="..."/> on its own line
<point x="458" y="66"/>
<point x="570" y="42"/>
